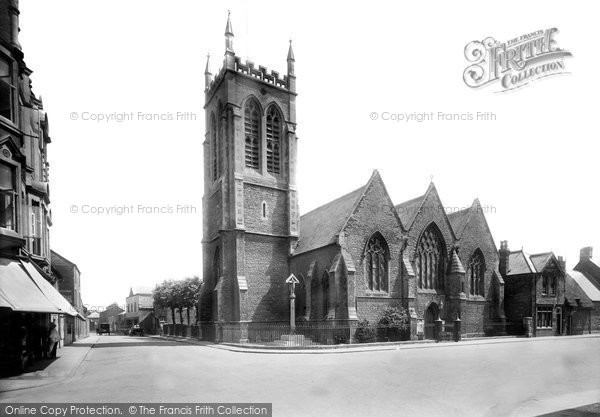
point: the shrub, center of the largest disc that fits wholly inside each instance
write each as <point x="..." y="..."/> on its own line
<point x="364" y="332"/>
<point x="395" y="324"/>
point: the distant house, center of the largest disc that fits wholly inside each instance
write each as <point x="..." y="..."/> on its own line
<point x="534" y="291"/>
<point x="140" y="309"/>
<point x="93" y="321"/>
<point x="588" y="278"/>
<point x="69" y="285"/>
<point x="111" y="316"/>
<point x="578" y="305"/>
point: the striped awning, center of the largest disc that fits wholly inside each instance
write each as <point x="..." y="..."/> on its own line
<point x="23" y="288"/>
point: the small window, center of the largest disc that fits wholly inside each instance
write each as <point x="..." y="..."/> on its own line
<point x="8" y="197"/>
<point x="544" y="317"/>
<point x="264" y="210"/>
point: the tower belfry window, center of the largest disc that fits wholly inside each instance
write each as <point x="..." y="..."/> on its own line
<point x="213" y="146"/>
<point x="273" y="141"/>
<point x="252" y="134"/>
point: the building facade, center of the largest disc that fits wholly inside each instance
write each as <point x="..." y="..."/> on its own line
<point x="30" y="301"/>
<point x="69" y="285"/>
<point x="587" y="275"/>
<point x="353" y="256"/>
<point x="139" y="310"/>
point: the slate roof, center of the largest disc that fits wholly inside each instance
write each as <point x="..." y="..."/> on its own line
<point x="409" y="209"/>
<point x="320" y="226"/>
<point x="61" y="264"/>
<point x="519" y="263"/>
<point x="458" y="220"/>
<point x="586" y="285"/>
<point x="540" y="260"/>
<point x="573" y="291"/>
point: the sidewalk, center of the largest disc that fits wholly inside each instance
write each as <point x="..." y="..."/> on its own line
<point x="366" y="347"/>
<point x="50" y="371"/>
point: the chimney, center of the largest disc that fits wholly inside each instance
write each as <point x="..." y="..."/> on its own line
<point x="562" y="262"/>
<point x="504" y="254"/>
<point x="585" y="254"/>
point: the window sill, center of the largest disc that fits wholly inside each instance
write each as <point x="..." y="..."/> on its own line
<point x="375" y="293"/>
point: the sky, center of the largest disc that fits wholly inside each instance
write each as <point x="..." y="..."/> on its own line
<point x="127" y="195"/>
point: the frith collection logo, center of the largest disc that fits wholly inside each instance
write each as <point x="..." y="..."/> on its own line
<point x="515" y="63"/>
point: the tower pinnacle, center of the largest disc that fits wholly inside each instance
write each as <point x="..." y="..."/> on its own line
<point x="290" y="60"/>
<point x="207" y="73"/>
<point x="228" y="34"/>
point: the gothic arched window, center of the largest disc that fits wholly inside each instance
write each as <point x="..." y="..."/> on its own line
<point x="274" y="123"/>
<point x="430" y="259"/>
<point x="213" y="146"/>
<point x="217" y="271"/>
<point x="252" y="133"/>
<point x="220" y="142"/>
<point x="477" y="273"/>
<point x="376" y="263"/>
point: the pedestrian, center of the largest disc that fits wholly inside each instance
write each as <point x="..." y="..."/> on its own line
<point x="53" y="339"/>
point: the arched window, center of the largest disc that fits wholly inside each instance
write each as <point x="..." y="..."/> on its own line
<point x="325" y="293"/>
<point x="252" y="133"/>
<point x="273" y="140"/>
<point x="430" y="259"/>
<point x="213" y="146"/>
<point x="220" y="142"/>
<point x="376" y="263"/>
<point x="217" y="271"/>
<point x="477" y="273"/>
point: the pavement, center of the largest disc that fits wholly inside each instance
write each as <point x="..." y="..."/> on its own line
<point x="363" y="347"/>
<point x="490" y="377"/>
<point x="51" y="371"/>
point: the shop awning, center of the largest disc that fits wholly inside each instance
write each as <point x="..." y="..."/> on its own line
<point x="18" y="291"/>
<point x="49" y="291"/>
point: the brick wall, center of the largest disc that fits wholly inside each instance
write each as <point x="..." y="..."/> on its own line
<point x="517" y="301"/>
<point x="266" y="268"/>
<point x="276" y="210"/>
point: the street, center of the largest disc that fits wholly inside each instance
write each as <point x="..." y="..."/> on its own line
<point x="491" y="378"/>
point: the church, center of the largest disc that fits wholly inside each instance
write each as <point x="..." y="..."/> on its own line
<point x="353" y="257"/>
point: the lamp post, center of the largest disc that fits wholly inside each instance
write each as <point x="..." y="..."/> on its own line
<point x="292" y="281"/>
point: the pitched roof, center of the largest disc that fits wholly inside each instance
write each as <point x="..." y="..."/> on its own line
<point x="140" y="290"/>
<point x="459" y="220"/>
<point x="320" y="226"/>
<point x="540" y="260"/>
<point x="586" y="285"/>
<point x="519" y="263"/>
<point x="574" y="292"/>
<point x="61" y="264"/>
<point x="408" y="210"/>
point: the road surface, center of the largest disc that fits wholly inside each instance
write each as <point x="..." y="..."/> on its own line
<point x="523" y="377"/>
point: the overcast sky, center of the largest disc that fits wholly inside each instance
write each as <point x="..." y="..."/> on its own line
<point x="535" y="166"/>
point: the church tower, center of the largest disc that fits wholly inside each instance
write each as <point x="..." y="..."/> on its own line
<point x="250" y="209"/>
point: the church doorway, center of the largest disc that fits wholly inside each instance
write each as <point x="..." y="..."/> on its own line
<point x="431" y="316"/>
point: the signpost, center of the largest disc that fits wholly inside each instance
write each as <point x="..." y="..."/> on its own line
<point x="292" y="281"/>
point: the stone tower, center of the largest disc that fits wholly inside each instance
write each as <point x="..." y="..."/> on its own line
<point x="250" y="209"/>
